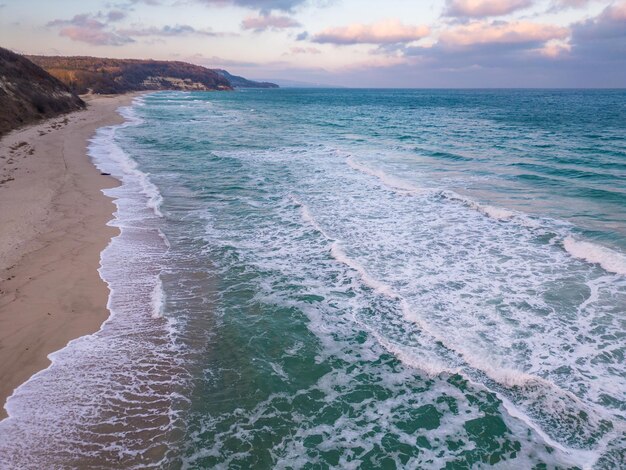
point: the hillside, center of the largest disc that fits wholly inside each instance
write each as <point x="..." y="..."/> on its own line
<point x="99" y="75"/>
<point x="28" y="93"/>
<point x="240" y="82"/>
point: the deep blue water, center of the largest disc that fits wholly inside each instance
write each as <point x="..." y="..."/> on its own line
<point x="356" y="279"/>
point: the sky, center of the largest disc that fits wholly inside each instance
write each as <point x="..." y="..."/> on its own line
<point x="351" y="43"/>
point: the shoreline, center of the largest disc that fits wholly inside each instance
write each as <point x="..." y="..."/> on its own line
<point x="54" y="229"/>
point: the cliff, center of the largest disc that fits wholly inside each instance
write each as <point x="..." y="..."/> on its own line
<point x="28" y="93"/>
<point x="99" y="75"/>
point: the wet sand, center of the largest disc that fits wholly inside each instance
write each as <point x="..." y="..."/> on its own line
<point x="52" y="230"/>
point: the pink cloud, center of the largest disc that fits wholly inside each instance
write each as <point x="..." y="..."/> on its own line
<point x="97" y="37"/>
<point x="383" y="32"/>
<point x="616" y="12"/>
<point x="554" y="50"/>
<point x="484" y="8"/>
<point x="518" y="32"/>
<point x="265" y="22"/>
<point x="85" y="28"/>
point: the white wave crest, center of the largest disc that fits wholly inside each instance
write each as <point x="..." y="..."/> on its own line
<point x="105" y="151"/>
<point x="610" y="260"/>
<point x="308" y="217"/>
<point x="157" y="298"/>
<point x="390" y="181"/>
<point x="337" y="252"/>
<point x="497" y="213"/>
<point x="164" y="238"/>
<point x="493" y="212"/>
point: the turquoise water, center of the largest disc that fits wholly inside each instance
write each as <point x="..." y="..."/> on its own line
<point x="353" y="279"/>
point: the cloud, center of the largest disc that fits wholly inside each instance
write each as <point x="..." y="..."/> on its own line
<point x="303" y="50"/>
<point x="483" y="8"/>
<point x="168" y="31"/>
<point x="603" y="38"/>
<point x="115" y="15"/>
<point x="264" y="6"/>
<point x="77" y="20"/>
<point x="563" y="4"/>
<point x="95" y="30"/>
<point x="265" y="22"/>
<point x="214" y="61"/>
<point x="590" y="53"/>
<point x="615" y="12"/>
<point x="147" y="2"/>
<point x="609" y="25"/>
<point x="488" y="53"/>
<point x="96" y="37"/>
<point x="503" y="49"/>
<point x="86" y="28"/>
<point x="517" y="32"/>
<point x="129" y="5"/>
<point x="555" y="49"/>
<point x="383" y="32"/>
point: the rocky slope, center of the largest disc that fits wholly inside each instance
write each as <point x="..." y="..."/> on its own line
<point x="29" y="93"/>
<point x="99" y="75"/>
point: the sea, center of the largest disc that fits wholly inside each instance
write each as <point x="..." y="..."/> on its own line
<point x="350" y="278"/>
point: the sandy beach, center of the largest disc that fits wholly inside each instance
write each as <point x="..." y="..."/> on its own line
<point x="53" y="229"/>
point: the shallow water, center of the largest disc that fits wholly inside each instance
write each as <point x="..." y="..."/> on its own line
<point x="352" y="278"/>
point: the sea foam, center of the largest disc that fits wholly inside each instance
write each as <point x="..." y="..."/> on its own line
<point x="610" y="260"/>
<point x="158" y="298"/>
<point x="405" y="188"/>
<point x="521" y="390"/>
<point x="105" y="151"/>
<point x="59" y="415"/>
<point x="388" y="180"/>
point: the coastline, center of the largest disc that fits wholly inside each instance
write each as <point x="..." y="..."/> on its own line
<point x="52" y="233"/>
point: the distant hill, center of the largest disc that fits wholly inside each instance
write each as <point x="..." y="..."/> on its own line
<point x="111" y="76"/>
<point x="283" y="83"/>
<point x="240" y="82"/>
<point x="29" y="93"/>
